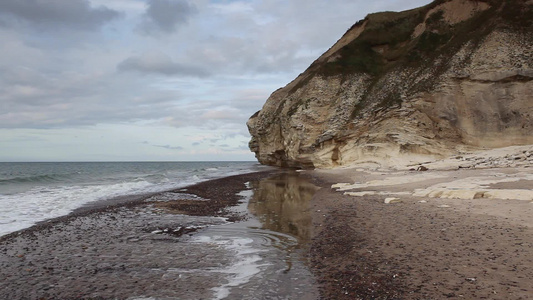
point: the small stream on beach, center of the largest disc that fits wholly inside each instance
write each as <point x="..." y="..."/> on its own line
<point x="268" y="263"/>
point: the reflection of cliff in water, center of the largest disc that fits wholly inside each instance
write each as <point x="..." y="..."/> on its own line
<point x="281" y="203"/>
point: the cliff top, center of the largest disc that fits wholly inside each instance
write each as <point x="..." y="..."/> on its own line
<point x="382" y="41"/>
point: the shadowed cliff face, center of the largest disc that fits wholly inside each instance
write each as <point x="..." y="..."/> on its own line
<point x="407" y="85"/>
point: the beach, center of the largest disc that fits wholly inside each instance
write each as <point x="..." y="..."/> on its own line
<point x="281" y="234"/>
<point x="434" y="234"/>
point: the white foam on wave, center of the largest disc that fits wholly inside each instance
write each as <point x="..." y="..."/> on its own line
<point x="45" y="200"/>
<point x="23" y="210"/>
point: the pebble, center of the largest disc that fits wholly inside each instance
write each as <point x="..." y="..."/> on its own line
<point x="392" y="200"/>
<point x="75" y="257"/>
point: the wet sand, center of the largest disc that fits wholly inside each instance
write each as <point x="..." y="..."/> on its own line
<point x="420" y="247"/>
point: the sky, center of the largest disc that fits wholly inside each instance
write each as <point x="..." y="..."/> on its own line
<point x="154" y="80"/>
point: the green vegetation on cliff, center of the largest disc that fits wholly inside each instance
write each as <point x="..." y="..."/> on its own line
<point x="392" y="33"/>
<point x="388" y="42"/>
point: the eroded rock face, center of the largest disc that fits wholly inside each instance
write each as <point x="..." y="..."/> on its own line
<point x="407" y="85"/>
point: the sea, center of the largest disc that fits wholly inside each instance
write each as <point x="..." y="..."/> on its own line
<point x="31" y="192"/>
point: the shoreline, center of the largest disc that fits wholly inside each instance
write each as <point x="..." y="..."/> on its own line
<point x="127" y="201"/>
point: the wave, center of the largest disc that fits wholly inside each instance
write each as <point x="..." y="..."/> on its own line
<point x="25" y="209"/>
<point x="45" y="193"/>
<point x="48" y="178"/>
<point x="21" y="210"/>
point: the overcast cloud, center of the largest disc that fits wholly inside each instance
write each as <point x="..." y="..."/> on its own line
<point x="154" y="79"/>
<point x="77" y="14"/>
<point x="159" y="63"/>
<point x="166" y="15"/>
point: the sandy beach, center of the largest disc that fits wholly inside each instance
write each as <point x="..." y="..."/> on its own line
<point x="441" y="233"/>
<point x="365" y="234"/>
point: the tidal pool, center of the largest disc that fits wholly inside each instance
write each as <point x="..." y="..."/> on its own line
<point x="281" y="204"/>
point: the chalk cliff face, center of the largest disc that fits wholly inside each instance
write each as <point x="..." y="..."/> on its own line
<point x="407" y="85"/>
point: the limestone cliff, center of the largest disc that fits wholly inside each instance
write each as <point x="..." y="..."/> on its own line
<point x="427" y="81"/>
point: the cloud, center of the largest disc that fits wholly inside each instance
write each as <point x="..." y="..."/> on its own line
<point x="221" y="114"/>
<point x="65" y="99"/>
<point x="71" y="14"/>
<point x="166" y="15"/>
<point x="159" y="63"/>
<point x="169" y="147"/>
<point x="205" y="115"/>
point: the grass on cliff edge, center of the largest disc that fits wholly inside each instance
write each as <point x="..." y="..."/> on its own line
<point x="391" y="33"/>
